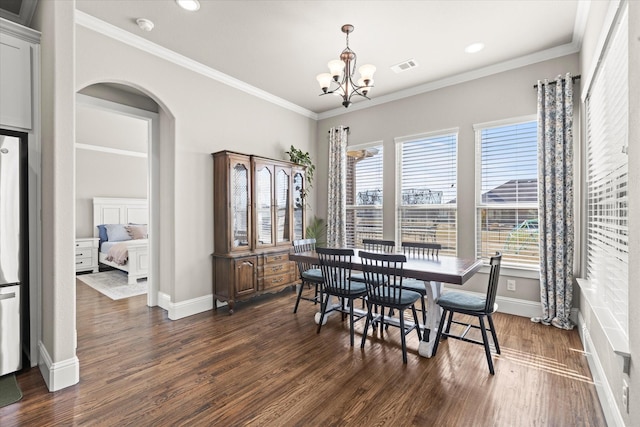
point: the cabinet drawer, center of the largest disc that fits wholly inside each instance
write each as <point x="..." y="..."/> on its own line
<point x="271" y="269"/>
<point x="84" y="244"/>
<point x="83" y="262"/>
<point x="84" y="253"/>
<point x="276" y="280"/>
<point x="276" y="258"/>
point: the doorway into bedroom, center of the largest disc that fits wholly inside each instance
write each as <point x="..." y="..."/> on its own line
<point x="114" y="130"/>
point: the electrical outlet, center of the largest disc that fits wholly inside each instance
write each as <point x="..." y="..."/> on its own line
<point x="511" y="285"/>
<point x="625" y="395"/>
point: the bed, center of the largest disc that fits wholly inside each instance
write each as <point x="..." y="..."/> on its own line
<point x="126" y="221"/>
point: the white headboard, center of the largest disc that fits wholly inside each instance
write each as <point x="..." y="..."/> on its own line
<point x="107" y="210"/>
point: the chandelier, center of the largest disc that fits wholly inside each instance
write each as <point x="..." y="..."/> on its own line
<point x="345" y="67"/>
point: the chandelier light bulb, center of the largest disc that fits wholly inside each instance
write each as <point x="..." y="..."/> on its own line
<point x="335" y="68"/>
<point x="324" y="80"/>
<point x="366" y="71"/>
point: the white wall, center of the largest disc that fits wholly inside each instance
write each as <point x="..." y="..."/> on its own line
<point x="500" y="96"/>
<point x="207" y="116"/>
<point x="111" y="160"/>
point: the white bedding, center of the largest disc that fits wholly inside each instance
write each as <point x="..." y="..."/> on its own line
<point x="105" y="246"/>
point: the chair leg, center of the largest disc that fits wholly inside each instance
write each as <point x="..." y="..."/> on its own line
<point x="352" y="332"/>
<point x="439" y="334"/>
<point x="415" y="319"/>
<point x="366" y="325"/>
<point x="324" y="300"/>
<point x="403" y="337"/>
<point x="449" y="322"/>
<point x="493" y="333"/>
<point x="485" y="339"/>
<point x="295" y="309"/>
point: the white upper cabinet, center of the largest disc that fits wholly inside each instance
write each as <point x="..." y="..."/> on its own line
<point x="17" y="56"/>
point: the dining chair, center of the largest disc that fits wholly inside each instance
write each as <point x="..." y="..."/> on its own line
<point x="420" y="250"/>
<point x="336" y="267"/>
<point x="310" y="274"/>
<point x="475" y="306"/>
<point x="384" y="279"/>
<point x="376" y="245"/>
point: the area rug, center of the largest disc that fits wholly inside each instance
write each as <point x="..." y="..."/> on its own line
<point x="9" y="390"/>
<point x="113" y="284"/>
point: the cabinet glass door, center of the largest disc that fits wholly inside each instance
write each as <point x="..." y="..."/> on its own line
<point x="264" y="201"/>
<point x="298" y="205"/>
<point x="240" y="205"/>
<point x="283" y="204"/>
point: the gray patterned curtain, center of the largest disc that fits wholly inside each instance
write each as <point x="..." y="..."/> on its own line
<point x="555" y="199"/>
<point x="337" y="210"/>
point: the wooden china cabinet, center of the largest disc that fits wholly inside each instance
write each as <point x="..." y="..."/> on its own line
<point x="258" y="212"/>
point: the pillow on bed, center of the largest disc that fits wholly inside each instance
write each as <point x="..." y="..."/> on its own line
<point x="117" y="232"/>
<point x="102" y="233"/>
<point x="137" y="231"/>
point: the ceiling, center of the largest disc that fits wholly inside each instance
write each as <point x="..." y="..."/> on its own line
<point x="280" y="46"/>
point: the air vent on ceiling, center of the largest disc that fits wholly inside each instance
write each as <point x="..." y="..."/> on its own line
<point x="404" y="66"/>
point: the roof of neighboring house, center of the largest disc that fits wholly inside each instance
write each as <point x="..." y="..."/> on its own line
<point x="516" y="190"/>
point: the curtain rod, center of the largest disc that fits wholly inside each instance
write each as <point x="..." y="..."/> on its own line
<point x="573" y="80"/>
<point x="345" y="128"/>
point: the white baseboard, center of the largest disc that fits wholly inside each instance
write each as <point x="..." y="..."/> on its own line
<point x="58" y="375"/>
<point x="605" y="394"/>
<point x="187" y="308"/>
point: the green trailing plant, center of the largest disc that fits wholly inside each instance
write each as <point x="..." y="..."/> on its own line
<point x="317" y="229"/>
<point x="299" y="157"/>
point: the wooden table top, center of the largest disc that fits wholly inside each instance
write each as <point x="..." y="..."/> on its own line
<point x="441" y="268"/>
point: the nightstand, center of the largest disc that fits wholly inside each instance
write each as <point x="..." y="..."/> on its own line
<point x="87" y="254"/>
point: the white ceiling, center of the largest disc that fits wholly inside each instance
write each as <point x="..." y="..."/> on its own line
<point x="280" y="46"/>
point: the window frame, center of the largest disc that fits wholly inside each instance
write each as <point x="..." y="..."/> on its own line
<point x="514" y="269"/>
<point x="399" y="141"/>
<point x="380" y="207"/>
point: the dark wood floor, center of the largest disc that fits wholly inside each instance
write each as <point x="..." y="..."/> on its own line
<point x="266" y="366"/>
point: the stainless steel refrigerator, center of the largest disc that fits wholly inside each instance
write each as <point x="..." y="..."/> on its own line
<point x="12" y="251"/>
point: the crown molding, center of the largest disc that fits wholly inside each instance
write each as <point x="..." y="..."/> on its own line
<point x="116" y="33"/>
<point x="544" y="55"/>
<point x="19" y="31"/>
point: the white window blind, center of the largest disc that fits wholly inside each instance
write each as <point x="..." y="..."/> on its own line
<point x="507" y="192"/>
<point x="607" y="178"/>
<point x="426" y="197"/>
<point x="364" y="194"/>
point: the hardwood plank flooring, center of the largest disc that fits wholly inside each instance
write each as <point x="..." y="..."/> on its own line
<point x="266" y="366"/>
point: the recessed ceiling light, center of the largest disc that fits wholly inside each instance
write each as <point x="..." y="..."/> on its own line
<point x="474" y="47"/>
<point x="190" y="5"/>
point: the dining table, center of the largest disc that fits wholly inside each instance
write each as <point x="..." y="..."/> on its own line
<point x="434" y="271"/>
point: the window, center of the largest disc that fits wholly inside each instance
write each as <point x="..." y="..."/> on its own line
<point x="507" y="192"/>
<point x="607" y="178"/>
<point x="364" y="194"/>
<point x="426" y="197"/>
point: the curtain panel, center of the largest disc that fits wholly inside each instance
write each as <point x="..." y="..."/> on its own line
<point x="555" y="198"/>
<point x="337" y="197"/>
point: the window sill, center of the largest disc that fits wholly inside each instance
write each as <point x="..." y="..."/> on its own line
<point x="618" y="340"/>
<point x="525" y="273"/>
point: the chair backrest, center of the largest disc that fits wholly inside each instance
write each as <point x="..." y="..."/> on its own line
<point x="383" y="275"/>
<point x="420" y="249"/>
<point x="378" y="245"/>
<point x="304" y="245"/>
<point x="492" y="287"/>
<point x="336" y="267"/>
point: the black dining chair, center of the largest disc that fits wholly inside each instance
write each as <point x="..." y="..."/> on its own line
<point x="475" y="306"/>
<point x="336" y="267"/>
<point x="384" y="279"/>
<point x="310" y="274"/>
<point x="420" y="250"/>
<point x="374" y="245"/>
